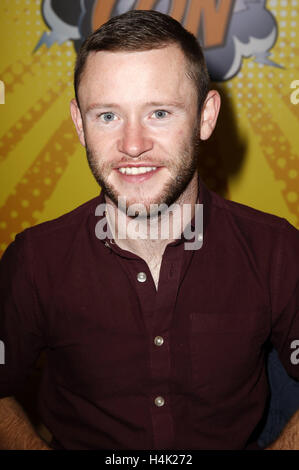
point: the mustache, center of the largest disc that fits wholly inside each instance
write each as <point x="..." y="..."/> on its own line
<point x="117" y="162"/>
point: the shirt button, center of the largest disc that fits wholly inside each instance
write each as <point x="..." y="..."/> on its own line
<point x="159" y="401"/>
<point x="141" y="277"/>
<point x="158" y="340"/>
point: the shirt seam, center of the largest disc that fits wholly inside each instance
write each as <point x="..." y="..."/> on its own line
<point x="279" y="223"/>
<point x="62" y="222"/>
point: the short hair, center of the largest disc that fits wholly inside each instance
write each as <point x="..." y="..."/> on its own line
<point x="142" y="30"/>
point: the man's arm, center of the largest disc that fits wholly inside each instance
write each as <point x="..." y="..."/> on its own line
<point x="22" y="336"/>
<point x="16" y="431"/>
<point x="289" y="437"/>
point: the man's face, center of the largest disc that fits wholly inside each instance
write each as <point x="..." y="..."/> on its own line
<point x="140" y="124"/>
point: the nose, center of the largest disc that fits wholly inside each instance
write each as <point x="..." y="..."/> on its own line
<point x="134" y="140"/>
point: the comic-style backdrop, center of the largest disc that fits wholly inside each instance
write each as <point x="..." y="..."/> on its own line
<point x="252" y="52"/>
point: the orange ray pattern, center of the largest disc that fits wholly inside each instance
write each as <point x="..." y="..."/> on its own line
<point x="14" y="73"/>
<point x="286" y="99"/>
<point x="278" y="153"/>
<point x="278" y="87"/>
<point x="16" y="133"/>
<point x="23" y="206"/>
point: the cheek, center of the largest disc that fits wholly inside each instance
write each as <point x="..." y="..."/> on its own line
<point x="182" y="140"/>
<point x="184" y="132"/>
<point x="99" y="142"/>
<point x="172" y="140"/>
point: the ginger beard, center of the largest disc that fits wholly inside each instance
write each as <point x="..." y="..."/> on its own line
<point x="182" y="169"/>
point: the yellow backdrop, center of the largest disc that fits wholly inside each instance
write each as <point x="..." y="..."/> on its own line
<point x="252" y="158"/>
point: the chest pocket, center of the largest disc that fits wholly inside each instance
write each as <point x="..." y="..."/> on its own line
<point x="227" y="350"/>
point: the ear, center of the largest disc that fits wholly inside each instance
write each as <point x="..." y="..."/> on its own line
<point x="209" y="114"/>
<point x="77" y="119"/>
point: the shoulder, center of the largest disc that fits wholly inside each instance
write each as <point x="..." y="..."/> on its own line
<point x="46" y="253"/>
<point x="54" y="238"/>
<point x="265" y="238"/>
<point x="253" y="220"/>
<point x="63" y="224"/>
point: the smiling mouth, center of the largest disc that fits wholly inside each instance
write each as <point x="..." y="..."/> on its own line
<point x="134" y="170"/>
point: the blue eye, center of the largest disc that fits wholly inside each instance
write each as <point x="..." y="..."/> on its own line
<point x="107" y="117"/>
<point x="160" y="114"/>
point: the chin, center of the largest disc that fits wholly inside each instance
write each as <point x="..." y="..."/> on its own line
<point x="142" y="197"/>
<point x="143" y="202"/>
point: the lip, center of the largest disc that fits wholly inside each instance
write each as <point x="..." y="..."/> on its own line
<point x="137" y="178"/>
<point x="137" y="165"/>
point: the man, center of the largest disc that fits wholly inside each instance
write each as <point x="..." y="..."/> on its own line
<point x="152" y="342"/>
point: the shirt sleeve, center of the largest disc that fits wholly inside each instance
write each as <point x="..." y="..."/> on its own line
<point x="285" y="300"/>
<point x="20" y="320"/>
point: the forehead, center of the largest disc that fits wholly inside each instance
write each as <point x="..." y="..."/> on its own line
<point x="134" y="75"/>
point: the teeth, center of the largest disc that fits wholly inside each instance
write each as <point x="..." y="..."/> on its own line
<point x="133" y="170"/>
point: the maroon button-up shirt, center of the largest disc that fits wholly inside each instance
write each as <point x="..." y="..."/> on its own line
<point x="78" y="297"/>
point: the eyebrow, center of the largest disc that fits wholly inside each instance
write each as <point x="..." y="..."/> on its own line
<point x="156" y="104"/>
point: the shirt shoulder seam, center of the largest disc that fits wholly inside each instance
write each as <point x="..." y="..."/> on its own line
<point x="280" y="223"/>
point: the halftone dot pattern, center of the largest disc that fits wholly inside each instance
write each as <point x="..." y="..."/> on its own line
<point x="283" y="90"/>
<point x="24" y="69"/>
<point x="27" y="201"/>
<point x="15" y="134"/>
<point x="265" y="95"/>
<point x="17" y="73"/>
<point x="279" y="154"/>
